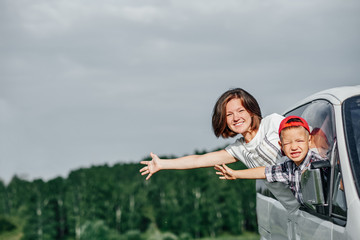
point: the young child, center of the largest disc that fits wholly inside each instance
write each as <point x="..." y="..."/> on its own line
<point x="294" y="141"/>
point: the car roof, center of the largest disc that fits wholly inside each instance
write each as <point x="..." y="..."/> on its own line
<point x="334" y="95"/>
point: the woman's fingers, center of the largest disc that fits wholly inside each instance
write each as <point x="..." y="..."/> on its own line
<point x="150" y="167"/>
<point x="152" y="155"/>
<point x="144" y="169"/>
<point x="145" y="172"/>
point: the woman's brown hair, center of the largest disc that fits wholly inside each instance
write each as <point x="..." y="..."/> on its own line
<point x="219" y="112"/>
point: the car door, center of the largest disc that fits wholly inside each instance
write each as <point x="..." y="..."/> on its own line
<point x="322" y="222"/>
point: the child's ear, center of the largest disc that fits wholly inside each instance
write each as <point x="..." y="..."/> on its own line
<point x="281" y="148"/>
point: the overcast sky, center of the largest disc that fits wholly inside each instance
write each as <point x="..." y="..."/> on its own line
<point x="89" y="82"/>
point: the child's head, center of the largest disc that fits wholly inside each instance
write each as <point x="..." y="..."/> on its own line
<point x="294" y="138"/>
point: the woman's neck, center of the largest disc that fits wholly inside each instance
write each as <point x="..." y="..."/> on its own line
<point x="249" y="135"/>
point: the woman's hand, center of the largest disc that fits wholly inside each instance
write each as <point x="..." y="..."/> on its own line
<point x="225" y="172"/>
<point x="151" y="166"/>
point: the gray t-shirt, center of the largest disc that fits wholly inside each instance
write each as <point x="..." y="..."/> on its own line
<point x="263" y="149"/>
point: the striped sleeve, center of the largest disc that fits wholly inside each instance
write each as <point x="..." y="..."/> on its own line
<point x="277" y="173"/>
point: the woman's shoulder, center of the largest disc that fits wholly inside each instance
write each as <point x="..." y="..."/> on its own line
<point x="272" y="120"/>
<point x="273" y="116"/>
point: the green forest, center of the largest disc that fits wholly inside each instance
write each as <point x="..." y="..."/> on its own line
<point x="115" y="202"/>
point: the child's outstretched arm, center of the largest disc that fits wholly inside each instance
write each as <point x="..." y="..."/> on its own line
<point x="227" y="173"/>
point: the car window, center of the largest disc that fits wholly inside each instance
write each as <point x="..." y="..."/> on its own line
<point x="351" y="115"/>
<point x="320" y="117"/>
<point x="338" y="196"/>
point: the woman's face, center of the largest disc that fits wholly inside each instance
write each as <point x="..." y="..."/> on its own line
<point x="238" y="119"/>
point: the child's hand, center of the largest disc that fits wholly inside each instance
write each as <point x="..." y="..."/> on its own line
<point x="152" y="166"/>
<point x="225" y="172"/>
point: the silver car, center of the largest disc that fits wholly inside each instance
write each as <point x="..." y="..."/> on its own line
<point x="331" y="190"/>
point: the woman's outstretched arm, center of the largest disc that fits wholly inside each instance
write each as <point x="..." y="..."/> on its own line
<point x="187" y="162"/>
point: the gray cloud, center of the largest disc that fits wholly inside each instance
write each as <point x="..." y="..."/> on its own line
<point x="93" y="82"/>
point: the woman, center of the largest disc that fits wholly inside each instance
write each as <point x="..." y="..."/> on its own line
<point x="235" y="112"/>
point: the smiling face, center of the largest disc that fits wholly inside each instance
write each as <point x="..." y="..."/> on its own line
<point x="223" y="109"/>
<point x="238" y="119"/>
<point x="295" y="143"/>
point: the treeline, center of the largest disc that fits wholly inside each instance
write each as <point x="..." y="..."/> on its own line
<point x="118" y="201"/>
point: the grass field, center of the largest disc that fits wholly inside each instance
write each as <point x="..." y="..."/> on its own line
<point x="13" y="235"/>
<point x="245" y="236"/>
<point x="17" y="234"/>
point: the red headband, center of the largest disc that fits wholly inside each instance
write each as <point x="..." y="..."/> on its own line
<point x="284" y="123"/>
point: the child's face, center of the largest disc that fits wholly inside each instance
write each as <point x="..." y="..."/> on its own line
<point x="295" y="143"/>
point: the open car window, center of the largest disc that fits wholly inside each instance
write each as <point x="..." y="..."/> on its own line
<point x="321" y="118"/>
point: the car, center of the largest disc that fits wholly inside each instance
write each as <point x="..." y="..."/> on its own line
<point x="331" y="189"/>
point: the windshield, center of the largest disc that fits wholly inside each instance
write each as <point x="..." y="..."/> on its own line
<point x="351" y="114"/>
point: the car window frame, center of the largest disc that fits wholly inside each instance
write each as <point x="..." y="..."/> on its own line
<point x="355" y="165"/>
<point x="328" y="214"/>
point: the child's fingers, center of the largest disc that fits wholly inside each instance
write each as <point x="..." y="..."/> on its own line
<point x="219" y="168"/>
<point x="225" y="167"/>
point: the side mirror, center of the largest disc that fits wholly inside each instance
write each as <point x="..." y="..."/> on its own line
<point x="312" y="188"/>
<point x="312" y="185"/>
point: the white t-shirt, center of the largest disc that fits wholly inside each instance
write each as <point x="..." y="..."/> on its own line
<point x="263" y="149"/>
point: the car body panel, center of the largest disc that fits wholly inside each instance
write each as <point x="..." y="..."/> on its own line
<point x="276" y="223"/>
